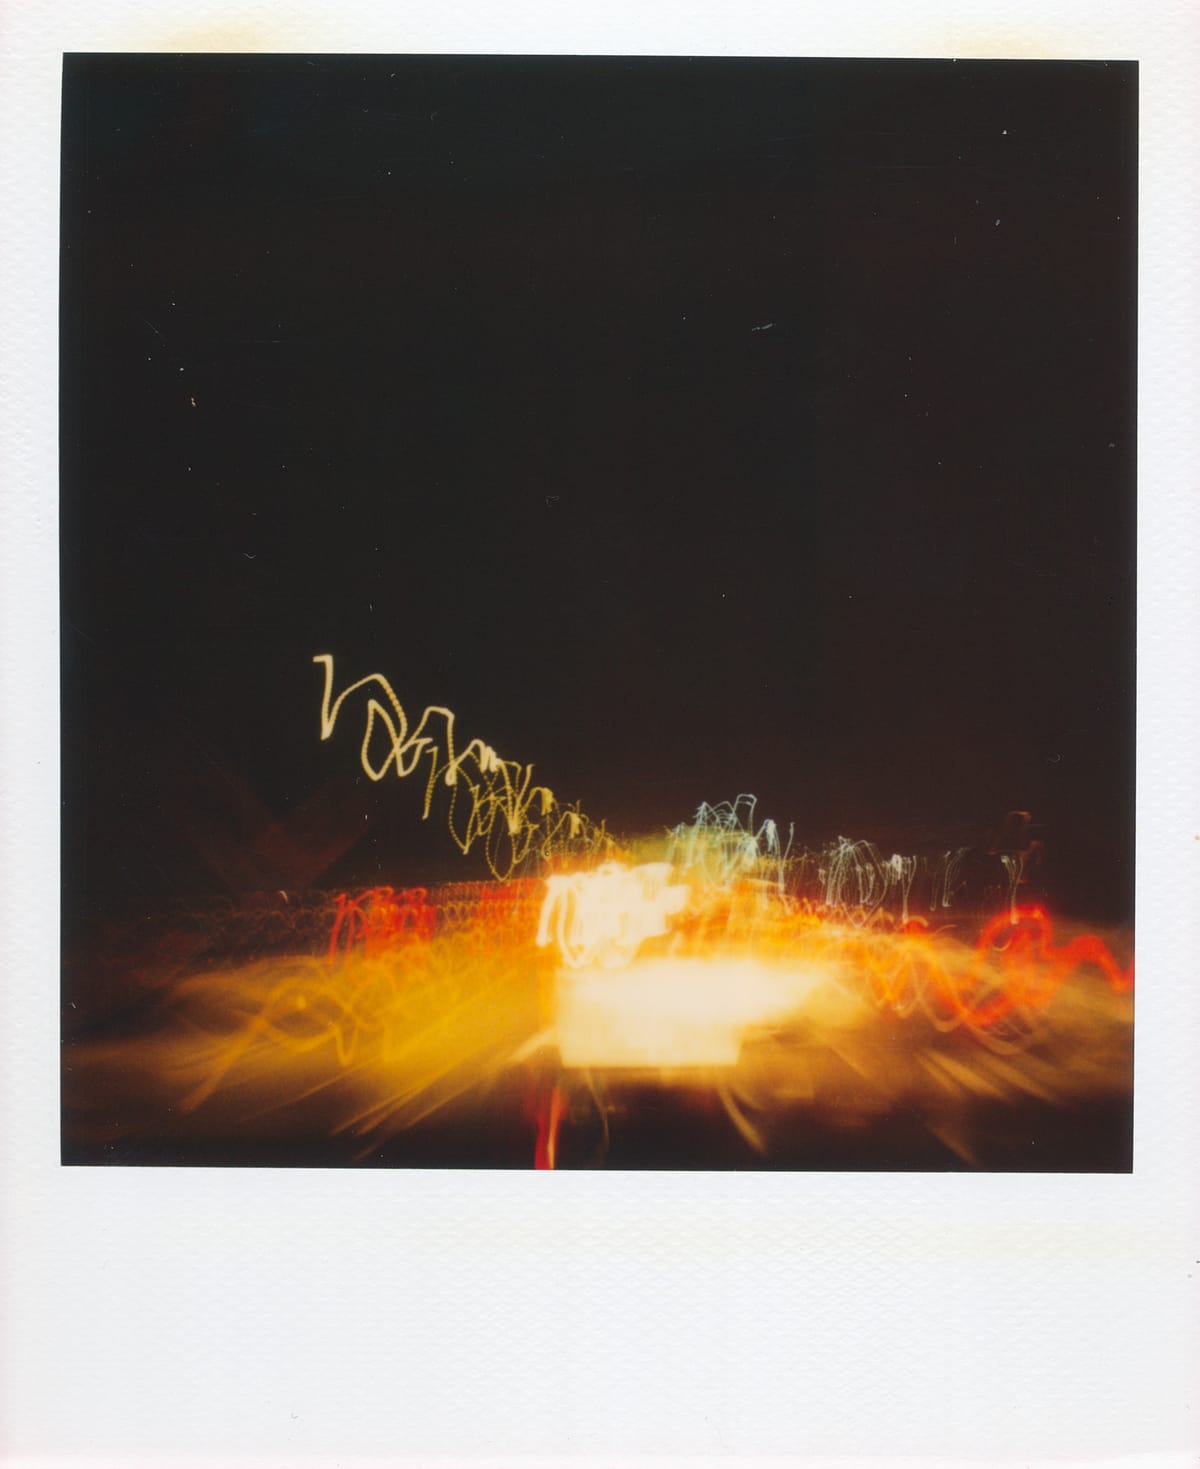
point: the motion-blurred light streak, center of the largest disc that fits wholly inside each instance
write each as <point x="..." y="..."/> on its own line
<point x="492" y="802"/>
<point x="424" y="997"/>
<point x="798" y="988"/>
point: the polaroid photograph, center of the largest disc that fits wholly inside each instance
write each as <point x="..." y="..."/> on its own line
<point x="598" y="612"/>
<point x="600" y="780"/>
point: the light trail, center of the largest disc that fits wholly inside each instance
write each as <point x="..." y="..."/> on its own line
<point x="655" y="967"/>
<point x="765" y="973"/>
<point x="424" y="999"/>
<point x="603" y="918"/>
<point x="722" y="843"/>
<point x="493" y="803"/>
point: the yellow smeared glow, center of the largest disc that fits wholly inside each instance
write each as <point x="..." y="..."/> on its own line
<point x="367" y="1045"/>
<point x="801" y="989"/>
<point x="669" y="1013"/>
<point x="794" y="1023"/>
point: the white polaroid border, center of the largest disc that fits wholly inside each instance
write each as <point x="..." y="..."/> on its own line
<point x="160" y="1317"/>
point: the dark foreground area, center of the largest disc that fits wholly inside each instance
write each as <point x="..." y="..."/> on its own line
<point x="661" y="1129"/>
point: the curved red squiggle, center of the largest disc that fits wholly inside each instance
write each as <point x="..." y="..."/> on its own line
<point x="381" y="918"/>
<point x="1015" y="964"/>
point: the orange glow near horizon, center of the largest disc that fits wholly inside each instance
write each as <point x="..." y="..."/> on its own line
<point x="802" y="989"/>
<point x="735" y="957"/>
<point x="424" y="999"/>
<point x="777" y="980"/>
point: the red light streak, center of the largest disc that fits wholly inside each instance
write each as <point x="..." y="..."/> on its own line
<point x="733" y="960"/>
<point x="380" y="919"/>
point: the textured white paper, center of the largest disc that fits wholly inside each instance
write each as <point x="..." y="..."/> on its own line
<point x="346" y="1318"/>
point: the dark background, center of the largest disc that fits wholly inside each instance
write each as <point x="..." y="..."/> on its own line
<point x="688" y="427"/>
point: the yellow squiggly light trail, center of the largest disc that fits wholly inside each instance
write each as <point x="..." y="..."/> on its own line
<point x="713" y="960"/>
<point x="506" y="814"/>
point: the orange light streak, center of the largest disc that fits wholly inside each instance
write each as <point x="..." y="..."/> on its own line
<point x="425" y="998"/>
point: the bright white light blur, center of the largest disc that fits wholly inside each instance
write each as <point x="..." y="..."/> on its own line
<point x="603" y="917"/>
<point x="665" y="1013"/>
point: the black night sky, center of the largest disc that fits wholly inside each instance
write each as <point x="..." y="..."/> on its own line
<point x="688" y="427"/>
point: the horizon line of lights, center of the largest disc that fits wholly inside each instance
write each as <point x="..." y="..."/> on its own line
<point x="732" y="952"/>
<point x="658" y="974"/>
<point x="513" y="819"/>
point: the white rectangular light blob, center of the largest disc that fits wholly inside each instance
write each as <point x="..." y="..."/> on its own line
<point x="666" y="1013"/>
